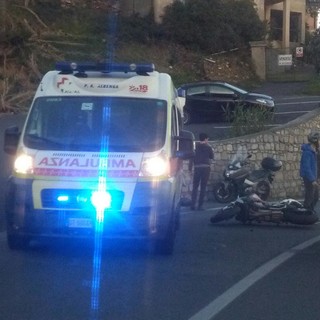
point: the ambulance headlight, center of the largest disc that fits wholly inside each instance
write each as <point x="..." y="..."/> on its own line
<point x="155" y="167"/>
<point x="101" y="200"/>
<point x="23" y="164"/>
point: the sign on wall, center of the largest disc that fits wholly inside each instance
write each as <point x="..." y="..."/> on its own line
<point x="285" y="59"/>
<point x="299" y="52"/>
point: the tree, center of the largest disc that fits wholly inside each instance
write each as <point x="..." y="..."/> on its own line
<point x="313" y="50"/>
<point x="213" y="25"/>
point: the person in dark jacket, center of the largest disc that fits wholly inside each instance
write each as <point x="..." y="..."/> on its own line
<point x="309" y="170"/>
<point x="202" y="167"/>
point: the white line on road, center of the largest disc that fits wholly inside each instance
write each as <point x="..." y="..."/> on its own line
<point x="290" y="112"/>
<point x="212" y="309"/>
<point x="297" y="97"/>
<point x="291" y="103"/>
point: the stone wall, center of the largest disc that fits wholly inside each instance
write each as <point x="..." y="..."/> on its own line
<point x="283" y="143"/>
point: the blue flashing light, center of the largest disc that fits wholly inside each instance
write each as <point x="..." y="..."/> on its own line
<point x="101" y="200"/>
<point x="63" y="198"/>
<point x="105" y="67"/>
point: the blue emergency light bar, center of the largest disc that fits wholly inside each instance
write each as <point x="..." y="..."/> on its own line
<point x="105" y="67"/>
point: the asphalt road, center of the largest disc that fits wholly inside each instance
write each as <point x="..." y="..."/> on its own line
<point x="290" y="104"/>
<point x="222" y="272"/>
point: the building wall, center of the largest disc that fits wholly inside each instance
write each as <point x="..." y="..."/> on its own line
<point x="159" y="7"/>
<point x="260" y="9"/>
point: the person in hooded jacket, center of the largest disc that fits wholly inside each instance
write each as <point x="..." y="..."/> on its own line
<point x="309" y="170"/>
<point x="202" y="167"/>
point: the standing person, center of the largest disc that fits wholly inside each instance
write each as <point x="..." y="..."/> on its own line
<point x="308" y="170"/>
<point x="202" y="166"/>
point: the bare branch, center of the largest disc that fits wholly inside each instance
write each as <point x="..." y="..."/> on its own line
<point x="35" y="15"/>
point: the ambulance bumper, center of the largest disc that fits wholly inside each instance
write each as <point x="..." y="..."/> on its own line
<point x="149" y="216"/>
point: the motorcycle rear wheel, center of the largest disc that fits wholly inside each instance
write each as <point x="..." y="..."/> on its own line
<point x="223" y="193"/>
<point x="301" y="216"/>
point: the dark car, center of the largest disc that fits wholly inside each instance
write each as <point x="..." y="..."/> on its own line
<point x="216" y="100"/>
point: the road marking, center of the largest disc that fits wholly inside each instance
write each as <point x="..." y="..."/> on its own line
<point x="212" y="309"/>
<point x="290" y="112"/>
<point x="301" y="102"/>
<point x="296" y="98"/>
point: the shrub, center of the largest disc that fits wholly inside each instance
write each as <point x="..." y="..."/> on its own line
<point x="246" y="120"/>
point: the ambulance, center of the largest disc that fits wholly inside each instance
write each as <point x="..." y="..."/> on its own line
<point x="101" y="151"/>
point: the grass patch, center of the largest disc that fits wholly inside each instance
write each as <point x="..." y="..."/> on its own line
<point x="246" y="120"/>
<point x="313" y="86"/>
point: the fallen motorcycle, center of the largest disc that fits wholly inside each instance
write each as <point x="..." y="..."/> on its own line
<point x="252" y="208"/>
<point x="239" y="179"/>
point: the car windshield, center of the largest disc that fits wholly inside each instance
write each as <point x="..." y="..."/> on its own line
<point x="211" y="88"/>
<point x="96" y="123"/>
<point x="234" y="88"/>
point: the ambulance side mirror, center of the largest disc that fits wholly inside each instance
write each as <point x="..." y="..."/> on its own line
<point x="185" y="145"/>
<point x="11" y="139"/>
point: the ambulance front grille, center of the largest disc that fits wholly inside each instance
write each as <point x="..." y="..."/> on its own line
<point x="76" y="199"/>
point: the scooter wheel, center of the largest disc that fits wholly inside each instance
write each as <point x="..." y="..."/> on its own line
<point x="223" y="193"/>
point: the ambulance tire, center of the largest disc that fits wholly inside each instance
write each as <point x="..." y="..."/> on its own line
<point x="17" y="242"/>
<point x="165" y="246"/>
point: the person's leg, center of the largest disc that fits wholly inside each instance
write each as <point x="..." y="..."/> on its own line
<point x="315" y="195"/>
<point x="195" y="186"/>
<point x="205" y="173"/>
<point x="308" y="194"/>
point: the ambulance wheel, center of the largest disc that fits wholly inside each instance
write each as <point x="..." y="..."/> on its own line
<point x="17" y="242"/>
<point x="165" y="246"/>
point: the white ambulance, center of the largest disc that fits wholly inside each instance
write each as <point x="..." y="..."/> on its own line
<point x="101" y="151"/>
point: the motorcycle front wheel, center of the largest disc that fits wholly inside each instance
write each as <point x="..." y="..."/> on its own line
<point x="225" y="193"/>
<point x="225" y="214"/>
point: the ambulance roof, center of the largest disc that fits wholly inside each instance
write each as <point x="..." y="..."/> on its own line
<point x="105" y="79"/>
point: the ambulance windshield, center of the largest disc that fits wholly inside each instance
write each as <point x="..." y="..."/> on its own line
<point x="96" y="123"/>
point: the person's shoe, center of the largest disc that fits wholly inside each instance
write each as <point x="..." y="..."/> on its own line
<point x="192" y="208"/>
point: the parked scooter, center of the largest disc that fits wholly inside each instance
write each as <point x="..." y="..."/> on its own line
<point x="252" y="208"/>
<point x="240" y="179"/>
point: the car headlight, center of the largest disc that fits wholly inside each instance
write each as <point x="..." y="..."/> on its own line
<point x="155" y="167"/>
<point x="23" y="164"/>
<point x="266" y="102"/>
<point x="262" y="101"/>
